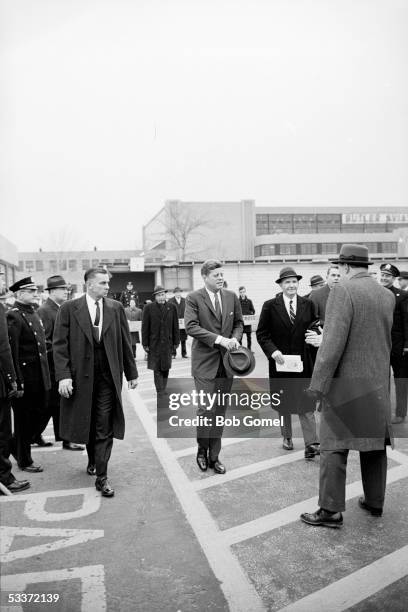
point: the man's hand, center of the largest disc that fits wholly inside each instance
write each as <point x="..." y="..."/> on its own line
<point x="313" y="338"/>
<point x="132" y="384"/>
<point x="405" y="351"/>
<point x="14" y="391"/>
<point x="278" y="357"/>
<point x="230" y="343"/>
<point x="65" y="387"/>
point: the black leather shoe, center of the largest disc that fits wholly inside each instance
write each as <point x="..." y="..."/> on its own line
<point x="72" y="446"/>
<point x="91" y="469"/>
<point x="33" y="468"/>
<point x="42" y="443"/>
<point x="202" y="460"/>
<point x="18" y="485"/>
<point x="374" y="511"/>
<point x="104" y="487"/>
<point x="185" y="356"/>
<point x="323" y="518"/>
<point x="217" y="466"/>
<point x="310" y="452"/>
<point x="287" y="444"/>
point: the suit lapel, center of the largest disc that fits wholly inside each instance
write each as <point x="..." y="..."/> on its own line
<point x="108" y="316"/>
<point x="280" y="307"/>
<point x="224" y="306"/>
<point x="207" y="300"/>
<point x="301" y="305"/>
<point x="82" y="315"/>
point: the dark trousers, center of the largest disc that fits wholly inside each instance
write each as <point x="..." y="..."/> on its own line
<point x="6" y="477"/>
<point x="183" y="348"/>
<point x="399" y="366"/>
<point x="333" y="468"/>
<point x="209" y="436"/>
<point x="248" y="333"/>
<point x="28" y="420"/>
<point x="100" y="443"/>
<point x="307" y="423"/>
<point x="160" y="380"/>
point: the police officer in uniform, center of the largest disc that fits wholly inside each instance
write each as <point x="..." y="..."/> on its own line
<point x="399" y="338"/>
<point x="28" y="347"/>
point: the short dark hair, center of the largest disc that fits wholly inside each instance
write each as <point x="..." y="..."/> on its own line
<point x="240" y="288"/>
<point x="92" y="272"/>
<point x="209" y="265"/>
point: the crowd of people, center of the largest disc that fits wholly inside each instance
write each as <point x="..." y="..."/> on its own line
<point x="66" y="359"/>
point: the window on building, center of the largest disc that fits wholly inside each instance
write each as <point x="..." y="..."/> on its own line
<point x="352" y="228"/>
<point x="178" y="277"/>
<point x="262" y="225"/>
<point x="86" y="264"/>
<point x="371" y="228"/>
<point x="372" y="247"/>
<point x="287" y="249"/>
<point x="63" y="265"/>
<point x="39" y="265"/>
<point x="95" y="263"/>
<point x="280" y="224"/>
<point x="29" y="265"/>
<point x="389" y="247"/>
<point x="304" y="224"/>
<point x="308" y="248"/>
<point x="329" y="248"/>
<point x="327" y="224"/>
<point x="53" y="265"/>
<point x="20" y="266"/>
<point x="72" y="265"/>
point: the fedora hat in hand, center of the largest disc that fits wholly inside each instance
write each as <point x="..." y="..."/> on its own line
<point x="239" y="362"/>
<point x="287" y="272"/>
<point x="353" y="253"/>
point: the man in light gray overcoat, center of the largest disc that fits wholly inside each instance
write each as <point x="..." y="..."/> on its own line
<point x="351" y="377"/>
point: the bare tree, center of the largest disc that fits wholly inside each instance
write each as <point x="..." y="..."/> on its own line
<point x="181" y="226"/>
<point x="61" y="244"/>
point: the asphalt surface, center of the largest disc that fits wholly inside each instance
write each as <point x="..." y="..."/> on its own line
<point x="176" y="539"/>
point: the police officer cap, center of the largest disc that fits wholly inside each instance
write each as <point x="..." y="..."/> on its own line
<point x="403" y="274"/>
<point x="390" y="269"/>
<point x="24" y="283"/>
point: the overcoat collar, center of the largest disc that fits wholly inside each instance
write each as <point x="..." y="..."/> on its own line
<point x="52" y="304"/>
<point x="283" y="313"/>
<point x="84" y="320"/>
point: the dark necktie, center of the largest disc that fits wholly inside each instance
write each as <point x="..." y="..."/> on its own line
<point x="96" y="322"/>
<point x="217" y="306"/>
<point x="291" y="312"/>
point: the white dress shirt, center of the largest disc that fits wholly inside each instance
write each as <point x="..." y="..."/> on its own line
<point x="294" y="303"/>
<point x="212" y="298"/>
<point x="92" y="311"/>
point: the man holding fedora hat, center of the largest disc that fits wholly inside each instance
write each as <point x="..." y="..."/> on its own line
<point x="57" y="294"/>
<point x="351" y="378"/>
<point x="399" y="336"/>
<point x="28" y="347"/>
<point x="160" y="336"/>
<point x="213" y="318"/>
<point x="281" y="331"/>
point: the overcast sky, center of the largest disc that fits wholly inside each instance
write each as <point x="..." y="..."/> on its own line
<point x="110" y="107"/>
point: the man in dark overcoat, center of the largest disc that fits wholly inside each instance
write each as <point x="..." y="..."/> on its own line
<point x="92" y="351"/>
<point x="8" y="387"/>
<point x="399" y="338"/>
<point x="351" y="378"/>
<point x="281" y="331"/>
<point x="321" y="295"/>
<point x="28" y="347"/>
<point x="213" y="318"/>
<point x="180" y="304"/>
<point x="160" y="336"/>
<point x="247" y="308"/>
<point x="57" y="294"/>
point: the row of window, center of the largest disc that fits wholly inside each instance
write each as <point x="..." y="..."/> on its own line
<point x="321" y="248"/>
<point x="62" y="265"/>
<point x="316" y="224"/>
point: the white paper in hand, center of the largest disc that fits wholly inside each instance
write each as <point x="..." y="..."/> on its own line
<point x="293" y="363"/>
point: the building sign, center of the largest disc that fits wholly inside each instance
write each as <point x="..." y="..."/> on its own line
<point x="137" y="264"/>
<point x="374" y="218"/>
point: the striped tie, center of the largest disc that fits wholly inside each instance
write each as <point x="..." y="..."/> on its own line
<point x="291" y="312"/>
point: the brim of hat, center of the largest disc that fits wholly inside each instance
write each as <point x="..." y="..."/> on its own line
<point x="161" y="291"/>
<point x="352" y="261"/>
<point x="57" y="287"/>
<point x="291" y="276"/>
<point x="233" y="372"/>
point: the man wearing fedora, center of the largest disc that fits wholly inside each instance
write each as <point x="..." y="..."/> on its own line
<point x="180" y="304"/>
<point x="92" y="351"/>
<point x="399" y="336"/>
<point x="28" y="347"/>
<point x="160" y="336"/>
<point x="321" y="295"/>
<point x="316" y="282"/>
<point x="351" y="378"/>
<point x="8" y="389"/>
<point x="281" y="331"/>
<point x="57" y="294"/>
<point x="213" y="318"/>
